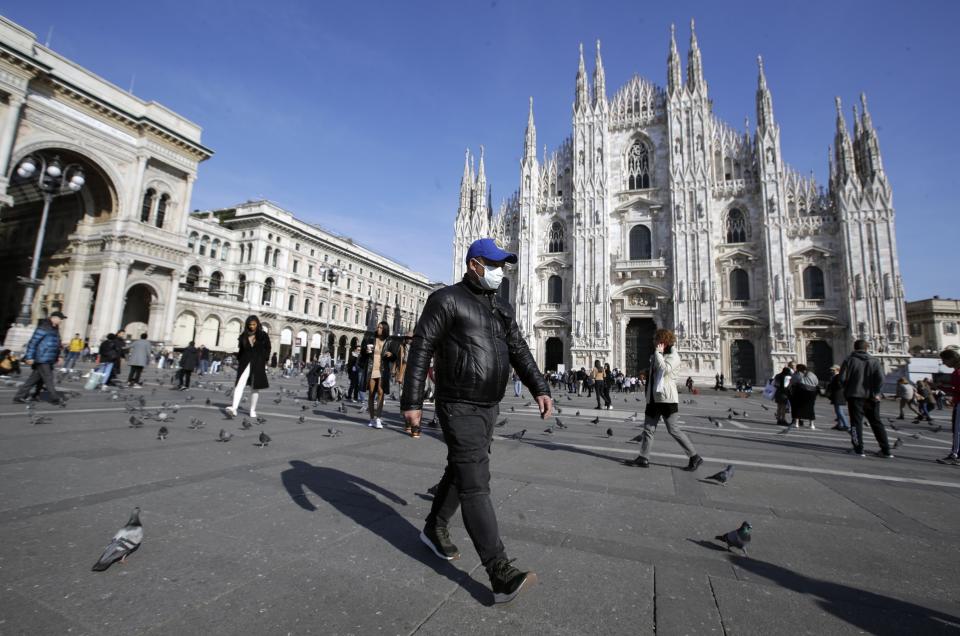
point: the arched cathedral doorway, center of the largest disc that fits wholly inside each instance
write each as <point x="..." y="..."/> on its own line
<point x="638" y="344"/>
<point x="553" y="355"/>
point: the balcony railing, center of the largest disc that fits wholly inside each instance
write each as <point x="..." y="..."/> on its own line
<point x="625" y="268"/>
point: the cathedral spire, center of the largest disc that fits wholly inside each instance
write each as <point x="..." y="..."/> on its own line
<point x="530" y="143"/>
<point x="869" y="144"/>
<point x="845" y="167"/>
<point x="674" y="81"/>
<point x="599" y="80"/>
<point x="764" y="101"/>
<point x="465" y="183"/>
<point x="694" y="63"/>
<point x="482" y="177"/>
<point x="866" y="120"/>
<point x="582" y="98"/>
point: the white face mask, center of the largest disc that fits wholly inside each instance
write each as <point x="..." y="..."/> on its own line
<point x="492" y="277"/>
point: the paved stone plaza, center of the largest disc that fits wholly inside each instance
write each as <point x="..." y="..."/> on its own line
<point x="314" y="534"/>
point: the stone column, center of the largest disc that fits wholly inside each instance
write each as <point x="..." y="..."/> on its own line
<point x="170" y="315"/>
<point x="103" y="310"/>
<point x="9" y="134"/>
<point x="135" y="197"/>
<point x="123" y="270"/>
<point x="185" y="204"/>
<point x="74" y="307"/>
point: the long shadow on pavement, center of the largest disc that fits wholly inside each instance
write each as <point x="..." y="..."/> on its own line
<point x="871" y="612"/>
<point x="352" y="496"/>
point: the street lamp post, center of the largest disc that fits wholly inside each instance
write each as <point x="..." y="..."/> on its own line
<point x="331" y="275"/>
<point x="53" y="179"/>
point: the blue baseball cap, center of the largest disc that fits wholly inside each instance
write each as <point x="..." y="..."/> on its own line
<point x="486" y="248"/>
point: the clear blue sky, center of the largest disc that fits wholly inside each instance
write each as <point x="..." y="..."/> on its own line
<point x="355" y="115"/>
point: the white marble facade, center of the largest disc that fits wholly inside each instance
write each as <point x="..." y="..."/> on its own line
<point x="654" y="213"/>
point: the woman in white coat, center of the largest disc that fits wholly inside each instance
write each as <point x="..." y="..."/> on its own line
<point x="662" y="400"/>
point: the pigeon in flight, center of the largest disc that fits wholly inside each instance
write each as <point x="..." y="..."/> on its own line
<point x="723" y="476"/>
<point x="135" y="422"/>
<point x="738" y="538"/>
<point x="246" y="425"/>
<point x="609" y="432"/>
<point x="334" y="432"/>
<point x="518" y="435"/>
<point x="125" y="541"/>
<point x="264" y="439"/>
<point x="224" y="436"/>
<point x="162" y="433"/>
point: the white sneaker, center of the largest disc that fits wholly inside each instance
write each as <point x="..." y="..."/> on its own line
<point x="231" y="411"/>
<point x="813" y="426"/>
<point x="253" y="413"/>
<point x="378" y="423"/>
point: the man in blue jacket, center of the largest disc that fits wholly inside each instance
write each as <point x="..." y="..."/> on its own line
<point x="43" y="352"/>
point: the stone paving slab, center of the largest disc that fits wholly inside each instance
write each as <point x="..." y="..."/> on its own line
<point x="320" y="535"/>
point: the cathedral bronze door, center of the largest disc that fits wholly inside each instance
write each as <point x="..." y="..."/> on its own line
<point x="638" y="344"/>
<point x="820" y="358"/>
<point x="554" y="354"/>
<point x="743" y="361"/>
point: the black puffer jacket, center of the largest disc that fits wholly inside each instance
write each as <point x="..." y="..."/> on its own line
<point x="473" y="340"/>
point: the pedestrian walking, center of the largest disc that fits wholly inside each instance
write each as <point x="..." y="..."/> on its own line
<point x="907" y="396"/>
<point x="42" y="354"/>
<point x="599" y="377"/>
<point x="951" y="357"/>
<point x="474" y="339"/>
<point x="74" y="349"/>
<point x="781" y="393"/>
<point x="662" y="401"/>
<point x="862" y="378"/>
<point x="120" y="347"/>
<point x="109" y="353"/>
<point x="925" y="401"/>
<point x="839" y="403"/>
<point x="353" y="373"/>
<point x="803" y="390"/>
<point x="139" y="358"/>
<point x="377" y="354"/>
<point x="517" y="385"/>
<point x="189" y="359"/>
<point x="253" y="352"/>
<point x="403" y="352"/>
<point x="313" y="379"/>
<point x="204" y="355"/>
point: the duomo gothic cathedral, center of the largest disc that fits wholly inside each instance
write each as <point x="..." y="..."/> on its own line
<point x="654" y="213"/>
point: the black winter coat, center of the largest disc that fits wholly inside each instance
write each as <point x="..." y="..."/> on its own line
<point x="473" y="340"/>
<point x="862" y="376"/>
<point x="189" y="358"/>
<point x="365" y="362"/>
<point x="256" y="355"/>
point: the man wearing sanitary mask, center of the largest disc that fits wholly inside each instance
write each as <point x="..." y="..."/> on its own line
<point x="474" y="340"/>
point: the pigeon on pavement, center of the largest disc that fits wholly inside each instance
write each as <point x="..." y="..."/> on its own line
<point x="207" y="402"/>
<point x="125" y="541"/>
<point x="518" y="435"/>
<point x="301" y="420"/>
<point x="595" y="420"/>
<point x="135" y="422"/>
<point x="246" y="425"/>
<point x="264" y="439"/>
<point x="162" y="433"/>
<point x="723" y="476"/>
<point x="559" y="423"/>
<point x="548" y="431"/>
<point x="503" y="422"/>
<point x="334" y="432"/>
<point x="715" y="422"/>
<point x="635" y="440"/>
<point x="609" y="432"/>
<point x="738" y="538"/>
<point x="224" y="436"/>
<point x="577" y="414"/>
<point x="261" y="420"/>
<point x="898" y="443"/>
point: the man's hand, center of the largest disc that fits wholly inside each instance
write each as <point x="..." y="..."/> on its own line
<point x="29" y="363"/>
<point x="545" y="402"/>
<point x="413" y="417"/>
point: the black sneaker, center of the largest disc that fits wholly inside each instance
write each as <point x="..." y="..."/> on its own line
<point x="694" y="464"/>
<point x="950" y="460"/>
<point x="507" y="581"/>
<point x="438" y="540"/>
<point x="854" y="451"/>
<point x="639" y="462"/>
<point x="20" y="400"/>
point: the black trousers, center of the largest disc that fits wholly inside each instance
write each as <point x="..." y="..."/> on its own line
<point x="603" y="393"/>
<point x="468" y="433"/>
<point x="869" y="408"/>
<point x="42" y="373"/>
<point x="184" y="377"/>
<point x="135" y="371"/>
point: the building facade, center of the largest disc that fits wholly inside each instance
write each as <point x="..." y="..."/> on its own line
<point x="655" y="213"/>
<point x="313" y="290"/>
<point x="125" y="252"/>
<point x="934" y="325"/>
<point x="113" y="252"/>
